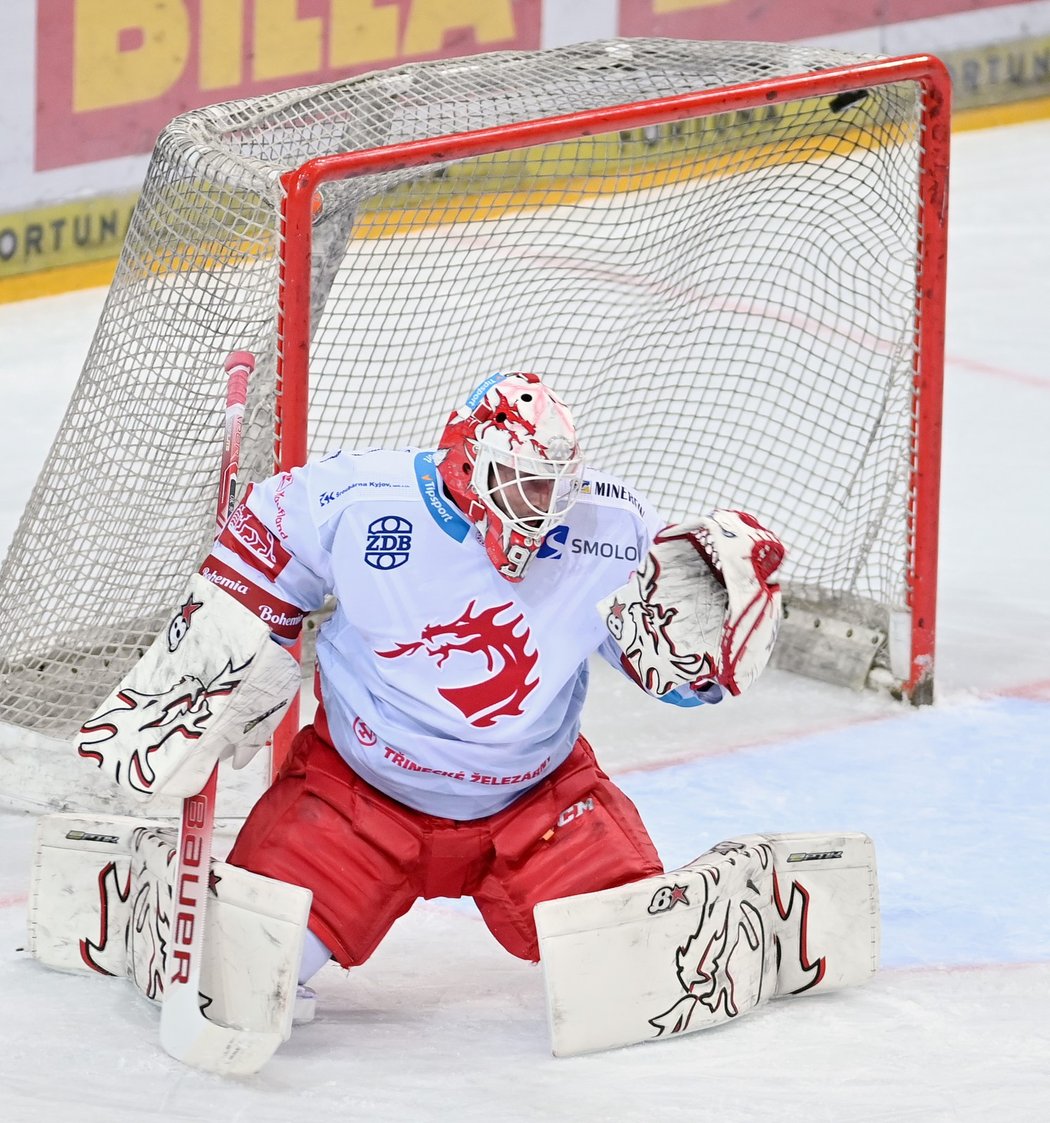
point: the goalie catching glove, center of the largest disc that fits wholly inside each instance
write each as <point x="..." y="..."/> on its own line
<point x="213" y="685"/>
<point x="701" y="608"/>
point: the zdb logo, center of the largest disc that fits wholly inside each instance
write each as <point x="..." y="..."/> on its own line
<point x="667" y="896"/>
<point x="389" y="541"/>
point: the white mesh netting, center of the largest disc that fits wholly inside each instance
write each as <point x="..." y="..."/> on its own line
<point x="727" y="302"/>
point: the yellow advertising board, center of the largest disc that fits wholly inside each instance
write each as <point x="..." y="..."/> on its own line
<point x="79" y="240"/>
<point x="109" y="74"/>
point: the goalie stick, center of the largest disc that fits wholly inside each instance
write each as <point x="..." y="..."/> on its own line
<point x="185" y="1033"/>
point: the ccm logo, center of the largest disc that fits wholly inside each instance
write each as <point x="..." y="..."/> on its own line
<point x="580" y="807"/>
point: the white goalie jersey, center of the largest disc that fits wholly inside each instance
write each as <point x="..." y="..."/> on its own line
<point x="445" y="686"/>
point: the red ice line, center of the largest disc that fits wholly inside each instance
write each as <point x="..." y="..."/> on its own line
<point x="974" y="367"/>
<point x="1038" y="691"/>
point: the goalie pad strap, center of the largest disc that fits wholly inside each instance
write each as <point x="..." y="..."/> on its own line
<point x="212" y="685"/>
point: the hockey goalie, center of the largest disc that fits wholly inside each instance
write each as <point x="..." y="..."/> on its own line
<point x="471" y="584"/>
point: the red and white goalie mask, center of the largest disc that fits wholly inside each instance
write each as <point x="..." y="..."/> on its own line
<point x="512" y="464"/>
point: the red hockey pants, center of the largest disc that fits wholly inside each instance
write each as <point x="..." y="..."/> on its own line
<point x="367" y="858"/>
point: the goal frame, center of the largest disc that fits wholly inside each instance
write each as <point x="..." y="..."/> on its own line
<point x="301" y="184"/>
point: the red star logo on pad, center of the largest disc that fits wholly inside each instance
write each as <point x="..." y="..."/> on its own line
<point x="190" y="607"/>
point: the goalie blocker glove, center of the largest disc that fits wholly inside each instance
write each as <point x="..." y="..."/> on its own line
<point x="702" y="608"/>
<point x="213" y="685"/>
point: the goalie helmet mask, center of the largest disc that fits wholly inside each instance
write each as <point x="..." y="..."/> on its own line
<point x="512" y="464"/>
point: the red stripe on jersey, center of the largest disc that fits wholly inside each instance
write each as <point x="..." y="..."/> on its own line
<point x="281" y="617"/>
<point x="252" y="541"/>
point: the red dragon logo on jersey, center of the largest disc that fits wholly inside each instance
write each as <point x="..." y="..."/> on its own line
<point x="507" y="659"/>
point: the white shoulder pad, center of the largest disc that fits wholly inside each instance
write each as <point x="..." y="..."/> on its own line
<point x="212" y="685"/>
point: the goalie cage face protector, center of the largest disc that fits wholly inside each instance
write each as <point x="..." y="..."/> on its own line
<point x="513" y="466"/>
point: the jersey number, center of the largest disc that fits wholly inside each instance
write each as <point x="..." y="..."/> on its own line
<point x="517" y="557"/>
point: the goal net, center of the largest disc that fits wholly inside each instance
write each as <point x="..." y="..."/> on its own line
<point x="728" y="257"/>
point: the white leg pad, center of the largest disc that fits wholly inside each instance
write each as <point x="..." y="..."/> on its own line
<point x="79" y="893"/>
<point x="826" y="923"/>
<point x="755" y="917"/>
<point x="101" y="900"/>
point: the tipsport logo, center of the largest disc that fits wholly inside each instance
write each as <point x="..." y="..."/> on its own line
<point x="388" y="543"/>
<point x="477" y="395"/>
<point x="443" y="513"/>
